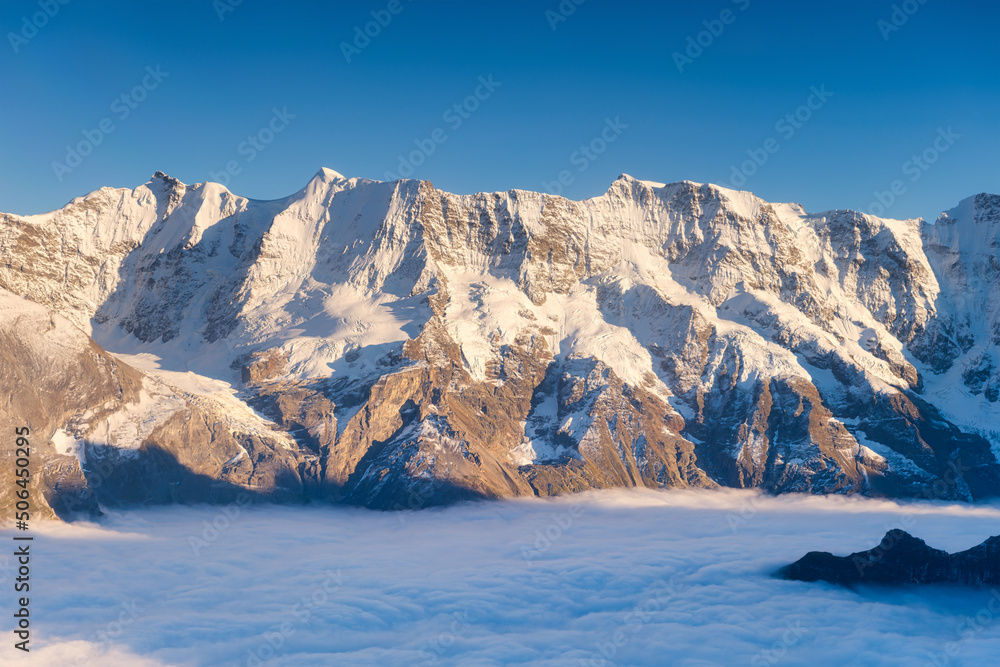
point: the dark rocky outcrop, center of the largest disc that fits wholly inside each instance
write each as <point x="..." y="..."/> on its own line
<point x="901" y="558"/>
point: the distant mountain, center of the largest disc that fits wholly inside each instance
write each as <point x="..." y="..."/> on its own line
<point x="901" y="558"/>
<point x="392" y="345"/>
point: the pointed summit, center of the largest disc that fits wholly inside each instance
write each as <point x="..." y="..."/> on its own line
<point x="328" y="175"/>
<point x="169" y="180"/>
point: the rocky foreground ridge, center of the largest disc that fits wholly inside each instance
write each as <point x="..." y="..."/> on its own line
<point x="901" y="559"/>
<point x="392" y="345"/>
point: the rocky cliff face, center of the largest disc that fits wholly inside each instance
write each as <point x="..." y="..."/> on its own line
<point x="104" y="433"/>
<point x="393" y="345"/>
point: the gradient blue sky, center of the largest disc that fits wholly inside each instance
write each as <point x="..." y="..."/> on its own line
<point x="890" y="97"/>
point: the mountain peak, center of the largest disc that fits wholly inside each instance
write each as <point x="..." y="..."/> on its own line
<point x="488" y="344"/>
<point x="329" y="175"/>
<point x="628" y="178"/>
<point x="982" y="208"/>
<point x="159" y="175"/>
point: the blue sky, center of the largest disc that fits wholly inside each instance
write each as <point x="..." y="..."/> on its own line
<point x="924" y="82"/>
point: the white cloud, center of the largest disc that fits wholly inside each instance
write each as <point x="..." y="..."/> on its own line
<point x="649" y="577"/>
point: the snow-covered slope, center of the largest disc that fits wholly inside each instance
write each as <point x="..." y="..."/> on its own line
<point x="964" y="250"/>
<point x="428" y="346"/>
<point x="103" y="432"/>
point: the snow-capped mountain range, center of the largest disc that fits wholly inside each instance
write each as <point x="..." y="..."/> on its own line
<point x="392" y="345"/>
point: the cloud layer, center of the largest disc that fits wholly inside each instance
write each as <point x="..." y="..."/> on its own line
<point x="631" y="577"/>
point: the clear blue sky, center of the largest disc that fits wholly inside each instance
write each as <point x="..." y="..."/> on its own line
<point x="557" y="88"/>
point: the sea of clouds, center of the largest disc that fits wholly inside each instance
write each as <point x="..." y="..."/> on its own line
<point x="631" y="577"/>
